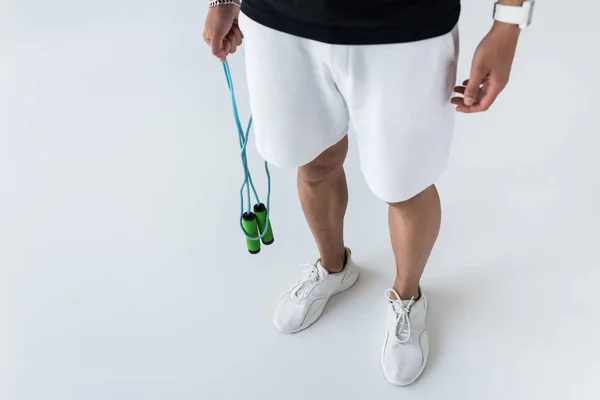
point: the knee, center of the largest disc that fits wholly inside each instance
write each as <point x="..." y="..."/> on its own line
<point x="431" y="191"/>
<point x="326" y="164"/>
<point x="317" y="172"/>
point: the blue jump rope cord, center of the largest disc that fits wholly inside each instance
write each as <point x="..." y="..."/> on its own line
<point x="243" y="141"/>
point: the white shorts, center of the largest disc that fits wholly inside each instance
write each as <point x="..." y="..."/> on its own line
<point x="304" y="94"/>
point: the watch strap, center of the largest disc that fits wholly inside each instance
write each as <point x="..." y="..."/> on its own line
<point x="216" y="3"/>
<point x="517" y="15"/>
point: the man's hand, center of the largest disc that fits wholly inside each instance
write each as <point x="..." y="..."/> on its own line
<point x="221" y="31"/>
<point x="490" y="69"/>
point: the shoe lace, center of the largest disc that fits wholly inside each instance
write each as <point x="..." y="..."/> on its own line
<point x="403" y="328"/>
<point x="307" y="284"/>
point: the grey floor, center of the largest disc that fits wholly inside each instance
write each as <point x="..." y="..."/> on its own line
<point x="123" y="274"/>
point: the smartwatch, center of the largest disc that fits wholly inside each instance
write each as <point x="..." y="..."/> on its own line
<point x="516" y="15"/>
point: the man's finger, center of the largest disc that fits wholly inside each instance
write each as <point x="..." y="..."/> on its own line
<point x="492" y="91"/>
<point x="217" y="39"/>
<point x="237" y="25"/>
<point x="224" y="50"/>
<point x="216" y="46"/>
<point x="460" y="101"/>
<point x="457" y="101"/>
<point x="238" y="35"/>
<point x="232" y="48"/>
<point x="468" y="109"/>
<point x="234" y="39"/>
<point x="485" y="80"/>
<point x="473" y="85"/>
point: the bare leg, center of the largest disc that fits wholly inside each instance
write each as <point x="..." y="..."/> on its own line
<point x="414" y="227"/>
<point x="324" y="197"/>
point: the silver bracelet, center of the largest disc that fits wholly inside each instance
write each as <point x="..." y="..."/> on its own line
<point x="215" y="3"/>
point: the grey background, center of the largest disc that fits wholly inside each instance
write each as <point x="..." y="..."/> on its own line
<point x="123" y="274"/>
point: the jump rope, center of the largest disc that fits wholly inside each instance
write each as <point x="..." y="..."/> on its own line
<point x="254" y="220"/>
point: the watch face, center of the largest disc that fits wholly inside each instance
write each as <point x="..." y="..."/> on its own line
<point x="530" y="16"/>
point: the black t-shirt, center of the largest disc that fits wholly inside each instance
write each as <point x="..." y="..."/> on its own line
<point x="357" y="21"/>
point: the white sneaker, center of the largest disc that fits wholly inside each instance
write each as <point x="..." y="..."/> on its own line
<point x="303" y="304"/>
<point x="406" y="345"/>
